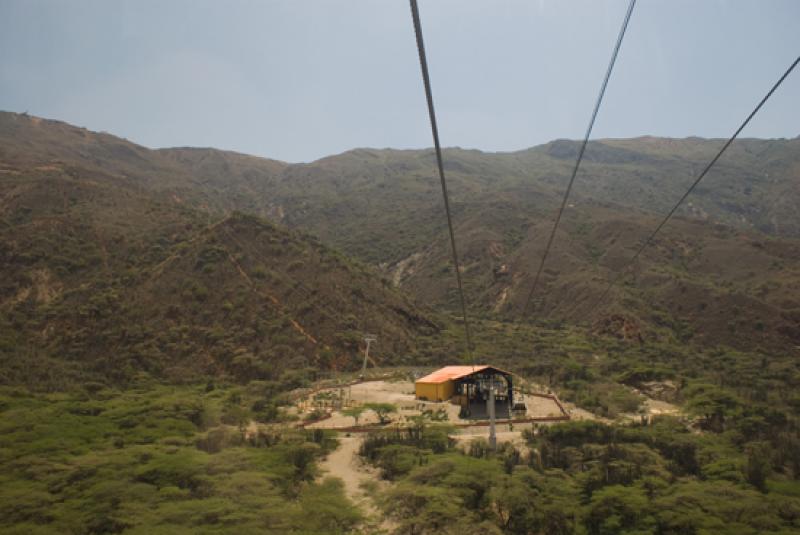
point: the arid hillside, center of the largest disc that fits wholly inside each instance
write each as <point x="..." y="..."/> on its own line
<point x="107" y="274"/>
<point x="725" y="271"/>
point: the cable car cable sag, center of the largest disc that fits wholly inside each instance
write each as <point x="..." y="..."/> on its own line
<point x="669" y="215"/>
<point x="423" y="63"/>
<point x="580" y="156"/>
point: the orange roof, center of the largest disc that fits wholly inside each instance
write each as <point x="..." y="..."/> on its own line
<point x="448" y="373"/>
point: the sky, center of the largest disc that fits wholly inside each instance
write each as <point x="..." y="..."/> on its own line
<point x="297" y="80"/>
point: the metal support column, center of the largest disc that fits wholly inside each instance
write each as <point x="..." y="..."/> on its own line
<point x="490" y="406"/>
<point x="368" y="339"/>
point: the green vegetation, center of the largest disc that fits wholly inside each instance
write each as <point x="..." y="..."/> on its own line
<point x="354" y="412"/>
<point x="732" y="465"/>
<point x="159" y="459"/>
<point x="195" y="293"/>
<point x="149" y="323"/>
<point x="383" y="410"/>
<point x="582" y="477"/>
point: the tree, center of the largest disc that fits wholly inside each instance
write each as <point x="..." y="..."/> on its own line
<point x="302" y="458"/>
<point x="422" y="510"/>
<point x="382" y="410"/>
<point x="713" y="404"/>
<point x="355" y="412"/>
<point x="517" y="507"/>
<point x="757" y="467"/>
<point x="618" y="509"/>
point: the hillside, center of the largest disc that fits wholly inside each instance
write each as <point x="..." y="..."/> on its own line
<point x="688" y="287"/>
<point x="701" y="282"/>
<point x="383" y="207"/>
<point x="103" y="279"/>
<point x="30" y="142"/>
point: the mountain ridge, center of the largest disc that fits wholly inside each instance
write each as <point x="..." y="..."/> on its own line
<point x="106" y="276"/>
<point x="383" y="207"/>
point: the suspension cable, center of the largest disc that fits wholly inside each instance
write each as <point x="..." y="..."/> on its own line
<point x="652" y="235"/>
<point x="423" y="63"/>
<point x="580" y="155"/>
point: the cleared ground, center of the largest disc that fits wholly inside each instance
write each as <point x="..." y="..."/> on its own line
<point x="401" y="395"/>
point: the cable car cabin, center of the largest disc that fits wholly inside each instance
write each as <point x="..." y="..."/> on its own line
<point x="468" y="386"/>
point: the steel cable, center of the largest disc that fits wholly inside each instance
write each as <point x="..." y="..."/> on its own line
<point x="580" y="155"/>
<point x="663" y="222"/>
<point x="435" y="131"/>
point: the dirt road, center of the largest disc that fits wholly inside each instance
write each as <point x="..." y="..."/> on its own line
<point x="345" y="464"/>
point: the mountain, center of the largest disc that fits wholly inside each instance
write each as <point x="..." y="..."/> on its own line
<point x="753" y="187"/>
<point x="112" y="267"/>
<point x="723" y="271"/>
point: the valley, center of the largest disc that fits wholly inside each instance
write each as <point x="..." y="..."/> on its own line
<point x="178" y="325"/>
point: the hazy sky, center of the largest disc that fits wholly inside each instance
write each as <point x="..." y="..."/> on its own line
<point x="300" y="79"/>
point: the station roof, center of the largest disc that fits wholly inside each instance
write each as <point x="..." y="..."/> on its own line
<point x="449" y="373"/>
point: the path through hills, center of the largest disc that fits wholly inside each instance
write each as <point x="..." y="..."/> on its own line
<point x="345" y="464"/>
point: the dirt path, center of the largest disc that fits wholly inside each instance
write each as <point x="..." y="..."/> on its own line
<point x="345" y="464"/>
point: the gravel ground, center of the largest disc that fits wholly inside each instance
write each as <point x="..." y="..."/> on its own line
<point x="401" y="394"/>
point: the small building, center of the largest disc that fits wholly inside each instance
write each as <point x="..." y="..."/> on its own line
<point x="470" y="384"/>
